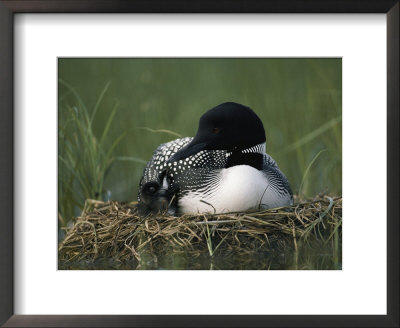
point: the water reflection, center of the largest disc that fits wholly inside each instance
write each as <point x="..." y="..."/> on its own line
<point x="305" y="258"/>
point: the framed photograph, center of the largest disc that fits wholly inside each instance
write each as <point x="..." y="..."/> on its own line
<point x="218" y="164"/>
<point x="261" y="138"/>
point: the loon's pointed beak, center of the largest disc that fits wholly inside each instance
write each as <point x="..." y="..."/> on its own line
<point x="190" y="149"/>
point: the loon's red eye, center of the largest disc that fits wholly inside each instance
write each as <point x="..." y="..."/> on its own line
<point x="216" y="130"/>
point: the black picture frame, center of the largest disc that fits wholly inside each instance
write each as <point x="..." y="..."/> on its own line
<point x="10" y="7"/>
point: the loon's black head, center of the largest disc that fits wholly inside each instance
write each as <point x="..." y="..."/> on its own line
<point x="229" y="126"/>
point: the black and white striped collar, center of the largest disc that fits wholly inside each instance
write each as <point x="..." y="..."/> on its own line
<point x="260" y="148"/>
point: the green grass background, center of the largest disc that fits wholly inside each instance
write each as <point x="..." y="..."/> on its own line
<point x="104" y="104"/>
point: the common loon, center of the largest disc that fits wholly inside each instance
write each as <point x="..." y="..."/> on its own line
<point x="224" y="168"/>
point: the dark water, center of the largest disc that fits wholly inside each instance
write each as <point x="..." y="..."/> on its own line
<point x="306" y="258"/>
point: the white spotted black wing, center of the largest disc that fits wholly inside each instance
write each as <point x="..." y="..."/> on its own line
<point x="197" y="172"/>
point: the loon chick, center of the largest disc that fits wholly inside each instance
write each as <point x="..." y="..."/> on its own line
<point x="224" y="168"/>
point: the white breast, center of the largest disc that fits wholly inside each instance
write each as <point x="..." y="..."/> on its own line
<point x="240" y="188"/>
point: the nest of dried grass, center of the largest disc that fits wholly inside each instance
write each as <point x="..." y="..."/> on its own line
<point x="115" y="230"/>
